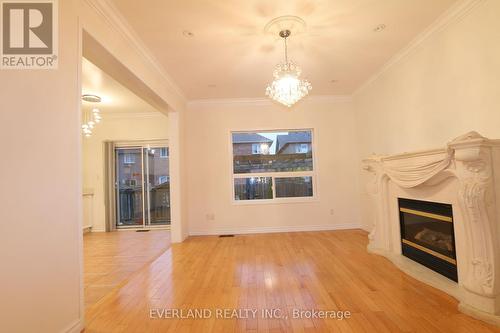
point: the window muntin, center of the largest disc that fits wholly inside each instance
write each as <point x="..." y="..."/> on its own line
<point x="272" y="164"/>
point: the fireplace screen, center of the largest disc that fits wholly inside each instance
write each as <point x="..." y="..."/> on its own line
<point x="427" y="235"/>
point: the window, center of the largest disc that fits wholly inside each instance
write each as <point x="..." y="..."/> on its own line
<point x="129" y="158"/>
<point x="260" y="148"/>
<point x="162" y="179"/>
<point x="301" y="148"/>
<point x="278" y="166"/>
<point x="130" y="182"/>
<point x="255" y="148"/>
<point x="164" y="152"/>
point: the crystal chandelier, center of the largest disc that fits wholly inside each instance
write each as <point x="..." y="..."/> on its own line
<point x="287" y="87"/>
<point x="90" y="117"/>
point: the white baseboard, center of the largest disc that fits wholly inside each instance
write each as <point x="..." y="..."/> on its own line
<point x="76" y="327"/>
<point x="264" y="230"/>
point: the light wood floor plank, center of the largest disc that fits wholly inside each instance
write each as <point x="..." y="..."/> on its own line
<point x="110" y="258"/>
<point x="307" y="270"/>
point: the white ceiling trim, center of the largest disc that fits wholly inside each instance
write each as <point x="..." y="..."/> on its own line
<point x="117" y="22"/>
<point x="260" y="101"/>
<point x="455" y="13"/>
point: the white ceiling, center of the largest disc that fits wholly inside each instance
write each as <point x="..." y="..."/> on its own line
<point x="115" y="97"/>
<point x="230" y="50"/>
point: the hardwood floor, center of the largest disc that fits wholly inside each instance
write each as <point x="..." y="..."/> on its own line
<point x="112" y="257"/>
<point x="306" y="270"/>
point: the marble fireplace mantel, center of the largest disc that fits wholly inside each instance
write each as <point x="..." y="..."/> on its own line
<point x="466" y="174"/>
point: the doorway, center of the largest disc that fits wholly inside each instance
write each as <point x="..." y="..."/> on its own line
<point x="142" y="185"/>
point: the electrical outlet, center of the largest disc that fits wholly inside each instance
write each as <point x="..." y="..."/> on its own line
<point x="210" y="217"/>
<point x="332" y="212"/>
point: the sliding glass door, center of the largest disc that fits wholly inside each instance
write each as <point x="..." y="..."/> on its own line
<point x="157" y="186"/>
<point x="142" y="186"/>
<point x="129" y="187"/>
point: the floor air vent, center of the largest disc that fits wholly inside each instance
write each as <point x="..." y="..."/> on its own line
<point x="226" y="236"/>
<point x="142" y="230"/>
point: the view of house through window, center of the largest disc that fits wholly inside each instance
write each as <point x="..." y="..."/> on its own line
<point x="142" y="186"/>
<point x="272" y="164"/>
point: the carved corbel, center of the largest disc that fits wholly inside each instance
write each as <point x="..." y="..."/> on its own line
<point x="476" y="195"/>
<point x="376" y="189"/>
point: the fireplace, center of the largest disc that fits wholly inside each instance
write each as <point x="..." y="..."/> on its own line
<point x="427" y="235"/>
<point x="464" y="173"/>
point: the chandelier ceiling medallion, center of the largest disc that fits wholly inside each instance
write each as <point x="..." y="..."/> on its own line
<point x="90" y="117"/>
<point x="287" y="87"/>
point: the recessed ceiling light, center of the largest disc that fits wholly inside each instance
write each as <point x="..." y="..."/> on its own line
<point x="379" y="28"/>
<point x="187" y="33"/>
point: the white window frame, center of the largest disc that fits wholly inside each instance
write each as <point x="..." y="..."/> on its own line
<point x="289" y="174"/>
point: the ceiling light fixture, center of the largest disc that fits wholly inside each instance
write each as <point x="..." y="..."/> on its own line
<point x="287" y="87"/>
<point x="93" y="117"/>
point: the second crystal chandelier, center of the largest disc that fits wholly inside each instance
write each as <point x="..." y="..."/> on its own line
<point x="90" y="118"/>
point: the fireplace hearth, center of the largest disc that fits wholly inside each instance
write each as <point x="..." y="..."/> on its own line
<point x="427" y="235"/>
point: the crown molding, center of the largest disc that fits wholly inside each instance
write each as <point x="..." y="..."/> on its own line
<point x="118" y="23"/>
<point x="455" y="13"/>
<point x="260" y="101"/>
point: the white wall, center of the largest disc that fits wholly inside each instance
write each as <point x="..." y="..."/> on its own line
<point x="444" y="87"/>
<point x="112" y="128"/>
<point x="208" y="166"/>
<point x="40" y="233"/>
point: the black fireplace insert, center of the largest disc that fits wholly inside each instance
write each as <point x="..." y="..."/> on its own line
<point x="427" y="235"/>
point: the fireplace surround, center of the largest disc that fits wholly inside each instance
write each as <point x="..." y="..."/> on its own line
<point x="464" y="175"/>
